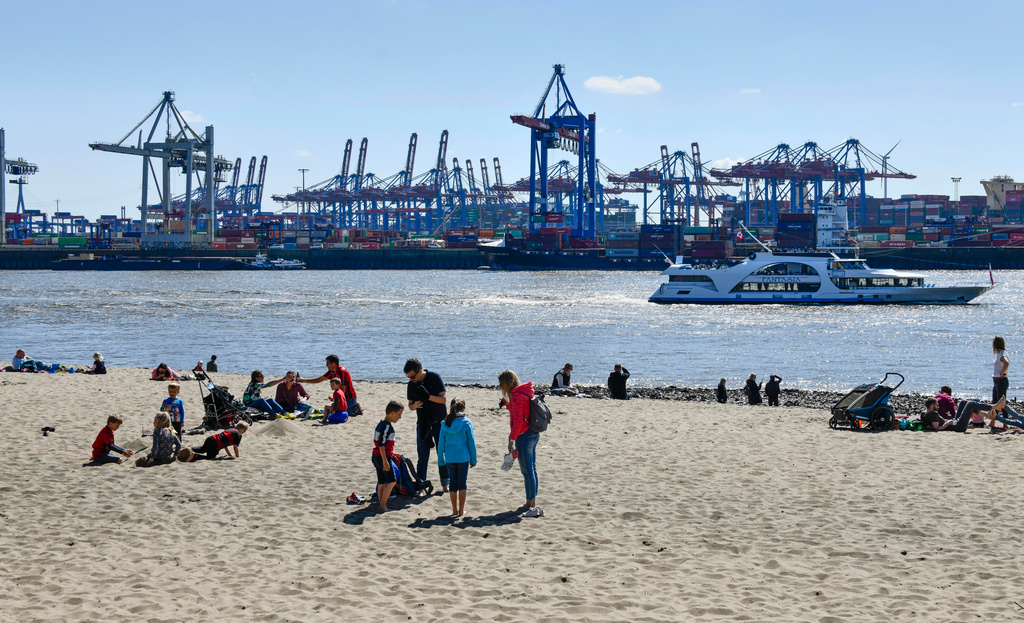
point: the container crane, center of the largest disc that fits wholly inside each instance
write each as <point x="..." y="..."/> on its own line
<point x="182" y="148"/>
<point x="18" y="168"/>
<point x="568" y="129"/>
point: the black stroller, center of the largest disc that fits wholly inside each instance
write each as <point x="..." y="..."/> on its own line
<point x="219" y="407"/>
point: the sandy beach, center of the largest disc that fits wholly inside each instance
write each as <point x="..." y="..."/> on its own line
<point x="656" y="510"/>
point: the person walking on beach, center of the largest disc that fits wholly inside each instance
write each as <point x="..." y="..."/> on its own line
<point x="515" y="397"/>
<point x="772" y="390"/>
<point x="1000" y="382"/>
<point x="753" y="390"/>
<point x="336" y="371"/>
<point x="456" y="449"/>
<point x="426" y="395"/>
<point x="617" y="383"/>
<point x="720" y="393"/>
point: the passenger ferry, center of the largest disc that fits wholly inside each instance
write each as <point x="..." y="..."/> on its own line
<point x="260" y="262"/>
<point x="804" y="278"/>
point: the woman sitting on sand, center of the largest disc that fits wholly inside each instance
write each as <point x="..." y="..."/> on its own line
<point x="291" y="395"/>
<point x="164" y="373"/>
<point x="516" y="398"/>
<point x="98" y="367"/>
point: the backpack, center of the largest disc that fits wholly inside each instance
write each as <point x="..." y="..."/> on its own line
<point x="540" y="415"/>
<point x="406" y="482"/>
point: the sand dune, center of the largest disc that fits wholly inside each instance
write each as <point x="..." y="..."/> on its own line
<point x="655" y="511"/>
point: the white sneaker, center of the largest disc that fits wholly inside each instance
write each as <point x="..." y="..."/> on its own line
<point x="536" y="511"/>
<point x="507" y="463"/>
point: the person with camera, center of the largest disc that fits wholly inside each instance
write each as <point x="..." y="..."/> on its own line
<point x="426" y="394"/>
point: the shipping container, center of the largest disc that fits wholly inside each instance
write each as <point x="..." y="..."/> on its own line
<point x="622" y="252"/>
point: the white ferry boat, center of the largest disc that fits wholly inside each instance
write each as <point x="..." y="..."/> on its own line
<point x="804" y="278"/>
<point x="260" y="262"/>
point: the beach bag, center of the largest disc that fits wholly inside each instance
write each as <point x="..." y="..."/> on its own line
<point x="337" y="417"/>
<point x="406" y="482"/>
<point x="540" y="415"/>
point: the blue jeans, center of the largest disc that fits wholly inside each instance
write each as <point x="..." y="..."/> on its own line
<point x="423" y="456"/>
<point x="266" y="405"/>
<point x="526" y="445"/>
<point x="1012" y="418"/>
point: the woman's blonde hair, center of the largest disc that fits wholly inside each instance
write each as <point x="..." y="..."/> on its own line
<point x="97" y="357"/>
<point x="163" y="420"/>
<point x="507" y="381"/>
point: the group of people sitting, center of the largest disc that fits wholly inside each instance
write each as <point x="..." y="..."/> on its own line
<point x="561" y="383"/>
<point x="21" y="362"/>
<point x="944" y="413"/>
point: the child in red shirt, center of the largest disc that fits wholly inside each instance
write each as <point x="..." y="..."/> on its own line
<point x="337" y="411"/>
<point x="103" y="448"/>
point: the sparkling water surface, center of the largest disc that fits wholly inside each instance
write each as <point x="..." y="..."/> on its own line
<point x="470" y="325"/>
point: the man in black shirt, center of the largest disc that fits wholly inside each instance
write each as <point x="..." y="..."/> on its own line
<point x="617" y="383"/>
<point x="426" y="394"/>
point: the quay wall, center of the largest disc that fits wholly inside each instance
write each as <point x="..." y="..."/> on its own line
<point x="920" y="258"/>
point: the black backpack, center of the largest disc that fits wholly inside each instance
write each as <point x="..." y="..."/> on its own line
<point x="540" y="415"/>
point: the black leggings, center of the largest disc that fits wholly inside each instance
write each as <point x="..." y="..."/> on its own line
<point x="1000" y="384"/>
<point x="208" y="450"/>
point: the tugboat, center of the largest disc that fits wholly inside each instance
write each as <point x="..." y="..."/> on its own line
<point x="260" y="262"/>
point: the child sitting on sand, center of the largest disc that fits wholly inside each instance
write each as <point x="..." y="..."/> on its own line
<point x="165" y="444"/>
<point x="175" y="407"/>
<point x="337" y="411"/>
<point x="103" y="448"/>
<point x="383" y="448"/>
<point x="224" y="440"/>
<point x="456" y="448"/>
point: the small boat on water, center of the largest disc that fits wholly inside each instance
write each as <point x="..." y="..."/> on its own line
<point x="804" y="278"/>
<point x="260" y="262"/>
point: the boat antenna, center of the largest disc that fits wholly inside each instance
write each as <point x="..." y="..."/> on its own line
<point x="763" y="245"/>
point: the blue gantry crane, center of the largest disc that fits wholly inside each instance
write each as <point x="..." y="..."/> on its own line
<point x="568" y="129"/>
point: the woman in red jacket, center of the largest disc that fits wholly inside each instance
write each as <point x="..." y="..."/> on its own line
<point x="516" y="398"/>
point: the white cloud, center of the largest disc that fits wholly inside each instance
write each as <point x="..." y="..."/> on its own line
<point x="191" y="117"/>
<point x="619" y="131"/>
<point x="637" y="85"/>
<point x="1018" y="104"/>
<point x="724" y="163"/>
<point x="600" y="130"/>
<point x="749" y="91"/>
<point x="302" y="153"/>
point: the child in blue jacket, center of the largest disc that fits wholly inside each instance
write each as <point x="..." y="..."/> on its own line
<point x="456" y="448"/>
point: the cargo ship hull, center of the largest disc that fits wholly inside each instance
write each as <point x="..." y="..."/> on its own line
<point x="149" y="263"/>
<point x="501" y="258"/>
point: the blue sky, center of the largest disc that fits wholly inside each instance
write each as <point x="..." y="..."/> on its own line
<point x="295" y="81"/>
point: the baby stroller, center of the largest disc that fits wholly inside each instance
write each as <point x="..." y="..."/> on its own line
<point x="866" y="406"/>
<point x="220" y="410"/>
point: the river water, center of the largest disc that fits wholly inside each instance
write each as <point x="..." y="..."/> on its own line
<point x="470" y="325"/>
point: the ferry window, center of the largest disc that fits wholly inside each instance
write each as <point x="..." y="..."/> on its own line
<point x="903" y="282"/>
<point x="786" y="268"/>
<point x="863" y="283"/>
